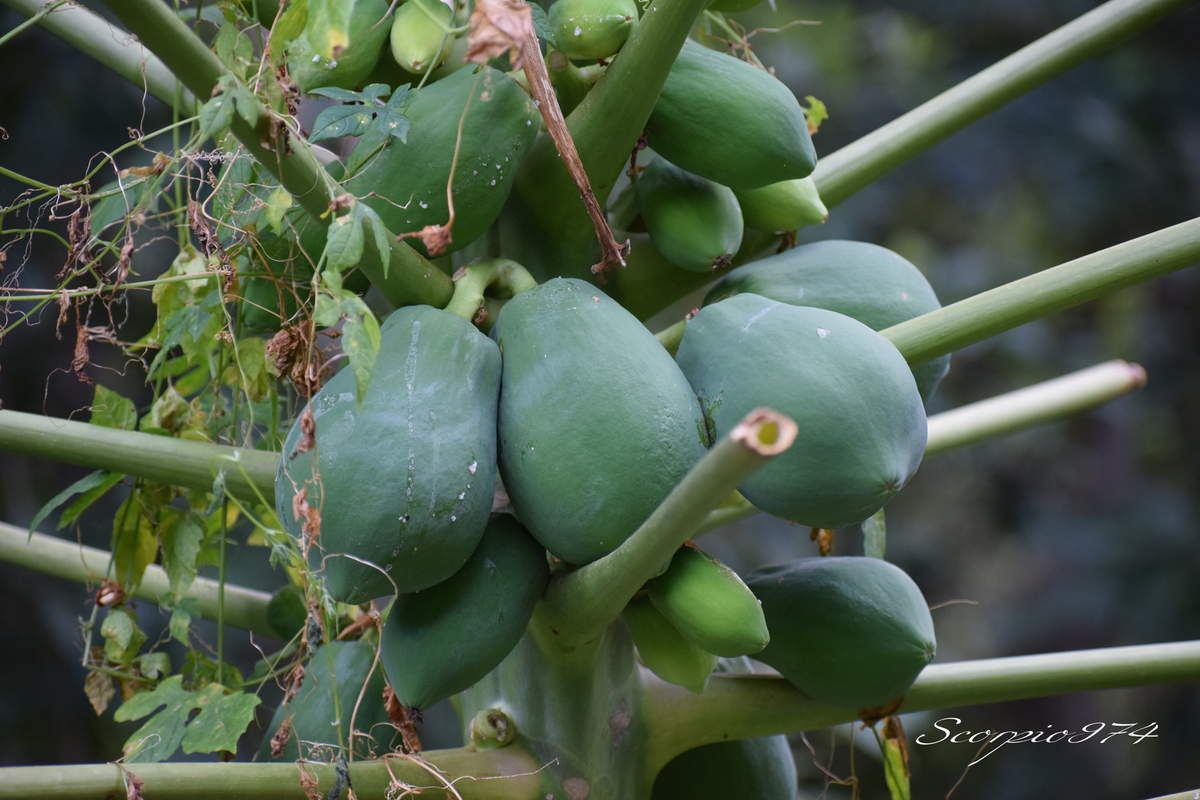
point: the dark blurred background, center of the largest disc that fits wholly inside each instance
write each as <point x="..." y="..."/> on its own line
<point x="1073" y="535"/>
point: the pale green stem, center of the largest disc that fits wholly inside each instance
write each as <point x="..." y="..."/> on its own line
<point x="579" y="605"/>
<point x="752" y="706"/>
<point x="50" y="555"/>
<point x="509" y="773"/>
<point x="858" y="164"/>
<point x="111" y="46"/>
<point x="997" y="310"/>
<point x="471" y="282"/>
<point x="671" y="336"/>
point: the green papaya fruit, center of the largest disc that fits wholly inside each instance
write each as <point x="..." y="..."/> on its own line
<point x="746" y="769"/>
<point x="597" y="423"/>
<point x="405" y="181"/>
<point x="591" y="29"/>
<point x="877" y="287"/>
<point x="784" y="206"/>
<point x="733" y="123"/>
<point x="355" y="58"/>
<point x="444" y="639"/>
<point x="419" y="38"/>
<point x="403" y="479"/>
<point x="664" y="650"/>
<point x="571" y="84"/>
<point x="708" y="603"/>
<point x="321" y="710"/>
<point x="851" y="631"/>
<point x="286" y="611"/>
<point x="733" y="6"/>
<point x="861" y="421"/>
<point x="694" y="222"/>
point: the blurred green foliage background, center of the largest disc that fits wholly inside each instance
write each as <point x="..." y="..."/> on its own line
<point x="1074" y="535"/>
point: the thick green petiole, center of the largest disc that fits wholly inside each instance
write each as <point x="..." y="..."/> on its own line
<point x="505" y="277"/>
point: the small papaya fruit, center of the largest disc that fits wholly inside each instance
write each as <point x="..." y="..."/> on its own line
<point x="784" y="206"/>
<point x="762" y="769"/>
<point x="419" y="38"/>
<point x="861" y="420"/>
<point x="694" y="222"/>
<point x="403" y="477"/>
<point x="405" y="181"/>
<point x="444" y="639"/>
<point x="597" y="423"/>
<point x="733" y="123"/>
<point x="357" y="50"/>
<point x="708" y="603"/>
<point x="876" y="286"/>
<point x="319" y="714"/>
<point x="851" y="631"/>
<point x="591" y="29"/>
<point x="286" y="611"/>
<point x="664" y="650"/>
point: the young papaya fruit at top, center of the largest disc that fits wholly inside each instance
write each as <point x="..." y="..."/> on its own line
<point x="762" y="769"/>
<point x="785" y="206"/>
<point x="861" y="422"/>
<point x="664" y="650"/>
<point x="597" y="423"/>
<point x="443" y="640"/>
<point x="405" y="181"/>
<point x="694" y="222"/>
<point x="733" y="123"/>
<point x="590" y="29"/>
<point x="355" y="50"/>
<point x="708" y="603"/>
<point x="419" y="38"/>
<point x="318" y="716"/>
<point x="877" y="287"/>
<point x="403" y="477"/>
<point x="733" y="6"/>
<point x="850" y="631"/>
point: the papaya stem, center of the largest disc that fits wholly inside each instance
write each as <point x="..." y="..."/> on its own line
<point x="407" y="278"/>
<point x="844" y="172"/>
<point x="579" y="605"/>
<point x="471" y="282"/>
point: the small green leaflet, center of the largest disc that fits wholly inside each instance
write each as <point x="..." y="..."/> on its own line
<point x="344" y="242"/>
<point x="82" y="503"/>
<point x="278" y="203"/>
<point x="134" y="544"/>
<point x="814" y="113"/>
<point x="290" y="26"/>
<point x="122" y="636"/>
<point x="360" y="334"/>
<point x="115" y="200"/>
<point x="874" y="532"/>
<point x="112" y="410"/>
<point x="222" y="720"/>
<point x="180" y="547"/>
<point x="234" y="49"/>
<point x="362" y="113"/>
<point x="541" y="23"/>
<point x="216" y="115"/>
<point x="81" y="486"/>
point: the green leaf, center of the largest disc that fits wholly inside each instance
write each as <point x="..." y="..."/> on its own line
<point x="814" y="113"/>
<point x="337" y="121"/>
<point x="122" y="636"/>
<point x="216" y="115"/>
<point x="85" y="500"/>
<point x="154" y="665"/>
<point x="118" y="199"/>
<point x="393" y="123"/>
<point x="160" y="736"/>
<point x="84" y="484"/>
<point x="222" y="720"/>
<point x="337" y="93"/>
<point x="113" y="410"/>
<point x="133" y="541"/>
<point x="278" y="203"/>
<point x="249" y="371"/>
<point x="379" y="236"/>
<point x="344" y="243"/>
<point x="246" y="104"/>
<point x="360" y="342"/>
<point x="181" y="619"/>
<point x="875" y="535"/>
<point x="289" y="27"/>
<point x="327" y="311"/>
<point x="541" y="23"/>
<point x="234" y="49"/>
<point x="180" y="547"/>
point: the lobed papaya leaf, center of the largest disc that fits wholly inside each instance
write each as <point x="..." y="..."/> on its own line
<point x="159" y="737"/>
<point x="222" y="720"/>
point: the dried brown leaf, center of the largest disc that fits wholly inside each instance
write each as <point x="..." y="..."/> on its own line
<point x="498" y="27"/>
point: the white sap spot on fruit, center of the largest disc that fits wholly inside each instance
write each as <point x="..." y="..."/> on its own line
<point x="904" y="295"/>
<point x="403" y="519"/>
<point x="492" y="182"/>
<point x="474" y="465"/>
<point x="462" y="495"/>
<point x="316" y="59"/>
<point x="423" y="204"/>
<point x="578" y="31"/>
<point x="822" y="333"/>
<point x="528" y="122"/>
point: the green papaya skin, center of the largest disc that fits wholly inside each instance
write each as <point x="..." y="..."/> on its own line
<point x="287" y="612"/>
<point x="877" y="287"/>
<point x="350" y="68"/>
<point x="406" y="478"/>
<point x="785" y="206"/>
<point x="405" y="182"/>
<point x="441" y="641"/>
<point x="695" y="223"/>
<point x="733" y="6"/>
<point x="597" y="423"/>
<point x="418" y="36"/>
<point x="861" y="422"/>
<point x="664" y="650"/>
<point x="708" y="603"/>
<point x="321" y="710"/>
<point x="850" y="631"/>
<point x="758" y="769"/>
<point x="591" y="29"/>
<point x="730" y="122"/>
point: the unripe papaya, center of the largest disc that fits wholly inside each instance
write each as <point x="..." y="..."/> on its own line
<point x="694" y="222"/>
<point x="761" y="769"/>
<point x="443" y="640"/>
<point x="664" y="650"/>
<point x="349" y="67"/>
<point x="733" y="6"/>
<point x="591" y="29"/>
<point x="877" y="287"/>
<point x="286" y="611"/>
<point x="320" y="711"/>
<point x="405" y="182"/>
<point x="403" y="480"/>
<point x="861" y="422"/>
<point x="850" y="631"/>
<point x="733" y="123"/>
<point x="419" y="37"/>
<point x="784" y="206"/>
<point x="597" y="423"/>
<point x="708" y="603"/>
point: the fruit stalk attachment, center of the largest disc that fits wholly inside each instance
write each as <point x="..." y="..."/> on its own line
<point x="505" y="277"/>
